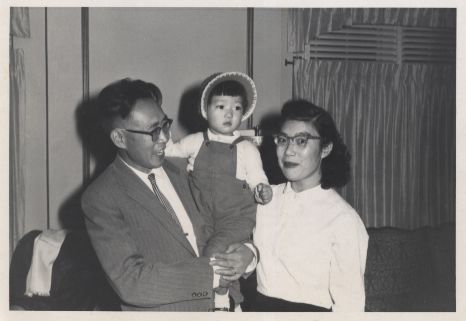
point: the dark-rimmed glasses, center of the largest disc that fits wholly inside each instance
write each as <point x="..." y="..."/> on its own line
<point x="299" y="140"/>
<point x="155" y="133"/>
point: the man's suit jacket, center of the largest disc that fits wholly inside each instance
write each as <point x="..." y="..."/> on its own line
<point x="149" y="262"/>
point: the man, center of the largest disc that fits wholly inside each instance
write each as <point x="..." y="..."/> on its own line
<point x="140" y="215"/>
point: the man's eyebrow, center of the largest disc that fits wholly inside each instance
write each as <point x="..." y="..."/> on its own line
<point x="156" y="124"/>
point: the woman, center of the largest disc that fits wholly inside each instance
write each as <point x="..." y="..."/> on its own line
<point x="312" y="243"/>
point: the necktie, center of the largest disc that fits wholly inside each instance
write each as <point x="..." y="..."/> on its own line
<point x="163" y="200"/>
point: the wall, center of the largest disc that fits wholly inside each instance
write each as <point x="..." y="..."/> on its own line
<point x="53" y="56"/>
<point x="272" y="77"/>
<point x="174" y="48"/>
<point x="64" y="95"/>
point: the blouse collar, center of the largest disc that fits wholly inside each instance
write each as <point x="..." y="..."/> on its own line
<point x="308" y="193"/>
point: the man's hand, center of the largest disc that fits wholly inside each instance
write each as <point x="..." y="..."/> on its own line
<point x="233" y="262"/>
<point x="263" y="193"/>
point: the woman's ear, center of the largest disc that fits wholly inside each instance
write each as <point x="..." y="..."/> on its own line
<point x="326" y="150"/>
<point x="118" y="138"/>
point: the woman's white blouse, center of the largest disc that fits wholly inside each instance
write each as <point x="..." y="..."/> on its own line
<point x="312" y="248"/>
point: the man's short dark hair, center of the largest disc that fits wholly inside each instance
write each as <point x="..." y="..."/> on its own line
<point x="118" y="99"/>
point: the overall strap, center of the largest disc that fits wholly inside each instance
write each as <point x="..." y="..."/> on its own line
<point x="238" y="140"/>
<point x="206" y="138"/>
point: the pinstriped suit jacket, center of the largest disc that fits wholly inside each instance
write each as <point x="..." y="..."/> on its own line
<point x="147" y="259"/>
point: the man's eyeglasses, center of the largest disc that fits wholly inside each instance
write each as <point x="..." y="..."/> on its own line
<point x="300" y="140"/>
<point x="155" y="133"/>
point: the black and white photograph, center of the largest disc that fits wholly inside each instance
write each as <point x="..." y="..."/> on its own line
<point x="233" y="158"/>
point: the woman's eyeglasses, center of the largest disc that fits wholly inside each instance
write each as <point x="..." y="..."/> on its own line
<point x="300" y="140"/>
<point x="155" y="133"/>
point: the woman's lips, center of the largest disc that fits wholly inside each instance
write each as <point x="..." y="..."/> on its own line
<point x="289" y="164"/>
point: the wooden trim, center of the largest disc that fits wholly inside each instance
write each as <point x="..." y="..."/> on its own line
<point x="85" y="74"/>
<point x="250" y="52"/>
<point x="47" y="149"/>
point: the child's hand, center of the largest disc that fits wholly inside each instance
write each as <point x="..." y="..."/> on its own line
<point x="263" y="193"/>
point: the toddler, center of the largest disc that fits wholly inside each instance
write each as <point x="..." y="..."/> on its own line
<point x="226" y="174"/>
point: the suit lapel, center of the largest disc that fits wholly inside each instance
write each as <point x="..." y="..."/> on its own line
<point x="140" y="193"/>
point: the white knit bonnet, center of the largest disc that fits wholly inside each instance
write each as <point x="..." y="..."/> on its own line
<point x="243" y="79"/>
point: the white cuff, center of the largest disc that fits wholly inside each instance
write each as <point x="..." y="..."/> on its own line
<point x="216" y="280"/>
<point x="222" y="300"/>
<point x="252" y="266"/>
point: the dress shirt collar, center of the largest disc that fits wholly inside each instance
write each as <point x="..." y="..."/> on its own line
<point x="158" y="172"/>
<point x="222" y="138"/>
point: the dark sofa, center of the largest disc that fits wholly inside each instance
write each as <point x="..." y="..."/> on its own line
<point x="411" y="270"/>
<point x="77" y="282"/>
<point x="406" y="270"/>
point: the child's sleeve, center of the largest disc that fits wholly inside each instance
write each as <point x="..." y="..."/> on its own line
<point x="184" y="148"/>
<point x="253" y="165"/>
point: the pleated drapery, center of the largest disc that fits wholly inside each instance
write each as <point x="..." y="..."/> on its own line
<point x="19" y="22"/>
<point x="399" y="124"/>
<point x="397" y="120"/>
<point x="305" y="25"/>
<point x="19" y="27"/>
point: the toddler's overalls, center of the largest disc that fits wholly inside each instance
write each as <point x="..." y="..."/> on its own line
<point x="226" y="202"/>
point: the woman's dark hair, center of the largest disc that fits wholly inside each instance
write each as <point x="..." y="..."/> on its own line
<point x="118" y="99"/>
<point x="229" y="88"/>
<point x="336" y="166"/>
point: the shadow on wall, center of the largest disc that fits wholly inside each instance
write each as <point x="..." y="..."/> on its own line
<point x="270" y="125"/>
<point x="102" y="152"/>
<point x="92" y="135"/>
<point x="189" y="116"/>
<point x="70" y="213"/>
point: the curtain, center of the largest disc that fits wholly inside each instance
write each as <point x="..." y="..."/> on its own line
<point x="305" y="25"/>
<point x="19" y="27"/>
<point x="399" y="124"/>
<point x="397" y="120"/>
<point x="408" y="17"/>
<point x="19" y="22"/>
